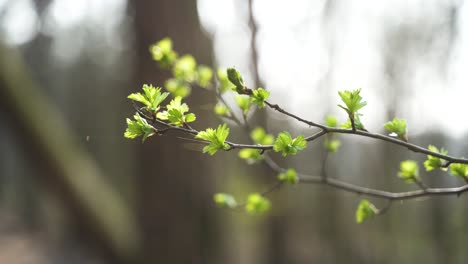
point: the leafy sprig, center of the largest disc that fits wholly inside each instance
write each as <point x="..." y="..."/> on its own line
<point x="259" y="96"/>
<point x="459" y="170"/>
<point x="435" y="162"/>
<point x="138" y="127"/>
<point x="257" y="204"/>
<point x="162" y="53"/>
<point x="151" y="97"/>
<point x="352" y="100"/>
<point x="216" y="137"/>
<point x="409" y="171"/>
<point x="187" y="73"/>
<point x="287" y="145"/>
<point x="365" y="210"/>
<point x="397" y="127"/>
<point x="289" y="176"/>
<point x="176" y="113"/>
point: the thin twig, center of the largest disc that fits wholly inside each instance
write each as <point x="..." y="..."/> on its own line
<point x="352" y="188"/>
<point x="410" y="146"/>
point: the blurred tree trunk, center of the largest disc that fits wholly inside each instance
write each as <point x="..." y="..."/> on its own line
<point x="173" y="187"/>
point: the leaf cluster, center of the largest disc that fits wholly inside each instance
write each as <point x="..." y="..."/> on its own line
<point x="459" y="170"/>
<point x="216" y="137"/>
<point x="287" y="145"/>
<point x="176" y="113"/>
<point x="138" y="127"/>
<point x="151" y="97"/>
<point x="409" y="171"/>
<point x="289" y="176"/>
<point x="352" y="100"/>
<point x="257" y="204"/>
<point x="365" y="210"/>
<point x="432" y="162"/>
<point x="258" y="136"/>
<point x="162" y="53"/>
<point x="397" y="127"/>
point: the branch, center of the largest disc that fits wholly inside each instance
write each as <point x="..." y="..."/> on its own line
<point x="325" y="130"/>
<point x="360" y="190"/>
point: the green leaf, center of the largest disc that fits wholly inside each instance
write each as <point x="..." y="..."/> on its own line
<point x="236" y="78"/>
<point x="162" y="53"/>
<point x="224" y="83"/>
<point x="250" y="155"/>
<point x="259" y="136"/>
<point x="331" y="121"/>
<point x="409" y="171"/>
<point x="357" y="123"/>
<point x="216" y="137"/>
<point x="225" y="200"/>
<point x="259" y="96"/>
<point x="434" y="162"/>
<point x="459" y="170"/>
<point x="397" y="127"/>
<point x="177" y="87"/>
<point x="289" y="146"/>
<point x="151" y="97"/>
<point x="365" y="210"/>
<point x="138" y="127"/>
<point x="332" y="145"/>
<point x="289" y="176"/>
<point x="185" y="68"/>
<point x="257" y="204"/>
<point x="190" y="118"/>
<point x="221" y="109"/>
<point x="352" y="100"/>
<point x="243" y="102"/>
<point x="175" y="113"/>
<point x="204" y="76"/>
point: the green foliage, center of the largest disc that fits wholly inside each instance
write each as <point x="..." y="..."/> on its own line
<point x="224" y="83"/>
<point x="235" y="78"/>
<point x="259" y="136"/>
<point x="459" y="170"/>
<point x="204" y="76"/>
<point x="331" y="121"/>
<point x="221" y="109"/>
<point x="352" y="100"/>
<point x="216" y="137"/>
<point x="259" y="96"/>
<point x="397" y="127"/>
<point x="225" y="200"/>
<point x="289" y="176"/>
<point x="289" y="146"/>
<point x="357" y="123"/>
<point x="434" y="162"/>
<point x="138" y="127"/>
<point x="162" y="53"/>
<point x="175" y="113"/>
<point x="185" y="68"/>
<point x="365" y="210"/>
<point x="332" y="145"/>
<point x="177" y="87"/>
<point x="151" y="97"/>
<point x="250" y="155"/>
<point x="243" y="101"/>
<point x="409" y="171"/>
<point x="257" y="204"/>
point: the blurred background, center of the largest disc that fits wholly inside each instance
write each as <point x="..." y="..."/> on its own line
<point x="73" y="190"/>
